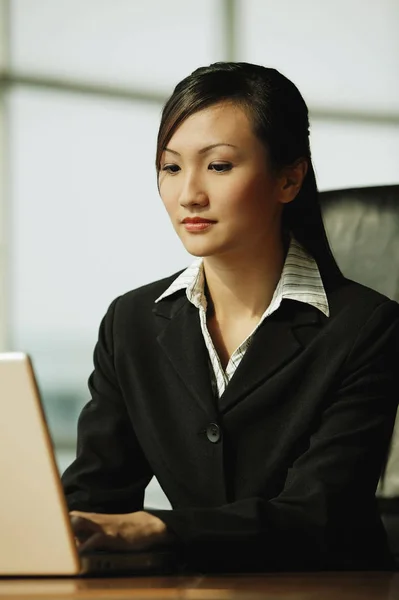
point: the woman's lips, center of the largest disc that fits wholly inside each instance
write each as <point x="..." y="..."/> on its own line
<point x="197" y="224"/>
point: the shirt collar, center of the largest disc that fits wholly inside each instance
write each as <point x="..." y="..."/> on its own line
<point x="300" y="280"/>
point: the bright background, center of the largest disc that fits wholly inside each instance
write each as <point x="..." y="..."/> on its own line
<point x="82" y="83"/>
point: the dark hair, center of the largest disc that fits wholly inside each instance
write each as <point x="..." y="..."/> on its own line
<point x="279" y="117"/>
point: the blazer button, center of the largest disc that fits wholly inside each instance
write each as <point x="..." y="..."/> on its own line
<point x="213" y="433"/>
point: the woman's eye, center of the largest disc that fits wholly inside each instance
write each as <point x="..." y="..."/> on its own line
<point x="171" y="168"/>
<point x="220" y="167"/>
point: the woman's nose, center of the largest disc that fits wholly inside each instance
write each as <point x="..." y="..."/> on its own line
<point x="193" y="194"/>
<point x="198" y="199"/>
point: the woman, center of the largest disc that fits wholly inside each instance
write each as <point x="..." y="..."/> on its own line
<point x="259" y="384"/>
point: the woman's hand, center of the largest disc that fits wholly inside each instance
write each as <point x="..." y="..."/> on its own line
<point x="132" y="531"/>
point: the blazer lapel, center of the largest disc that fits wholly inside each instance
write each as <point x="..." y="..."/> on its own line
<point x="182" y="341"/>
<point x="278" y="340"/>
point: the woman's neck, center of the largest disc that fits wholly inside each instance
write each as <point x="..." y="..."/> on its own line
<point x="242" y="287"/>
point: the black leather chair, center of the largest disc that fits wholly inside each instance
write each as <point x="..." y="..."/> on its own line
<point x="363" y="229"/>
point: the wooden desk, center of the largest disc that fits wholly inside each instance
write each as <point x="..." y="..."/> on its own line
<point x="303" y="586"/>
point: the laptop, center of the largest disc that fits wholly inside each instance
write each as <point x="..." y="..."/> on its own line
<point x="36" y="536"/>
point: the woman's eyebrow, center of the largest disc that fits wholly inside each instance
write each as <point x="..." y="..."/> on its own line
<point x="203" y="150"/>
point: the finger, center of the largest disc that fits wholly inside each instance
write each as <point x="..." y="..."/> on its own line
<point x="79" y="513"/>
<point x="91" y="516"/>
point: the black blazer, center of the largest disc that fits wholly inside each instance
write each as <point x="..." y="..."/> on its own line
<point x="287" y="478"/>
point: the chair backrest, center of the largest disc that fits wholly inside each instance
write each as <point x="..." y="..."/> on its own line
<point x="363" y="229"/>
<point x="362" y="226"/>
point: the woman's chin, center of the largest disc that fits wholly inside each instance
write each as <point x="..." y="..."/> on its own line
<point x="198" y="248"/>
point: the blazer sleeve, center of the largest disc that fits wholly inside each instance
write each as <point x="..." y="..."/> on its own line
<point x="110" y="472"/>
<point x="324" y="515"/>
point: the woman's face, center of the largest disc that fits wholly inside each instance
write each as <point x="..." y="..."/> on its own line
<point x="217" y="187"/>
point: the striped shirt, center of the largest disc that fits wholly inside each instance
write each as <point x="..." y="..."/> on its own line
<point x="300" y="280"/>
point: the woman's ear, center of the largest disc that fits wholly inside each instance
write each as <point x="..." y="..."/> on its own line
<point x="292" y="178"/>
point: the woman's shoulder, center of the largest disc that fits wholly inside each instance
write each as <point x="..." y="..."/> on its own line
<point x="358" y="300"/>
<point x="142" y="298"/>
<point x="150" y="291"/>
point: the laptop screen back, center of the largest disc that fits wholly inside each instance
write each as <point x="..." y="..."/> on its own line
<point x="36" y="537"/>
